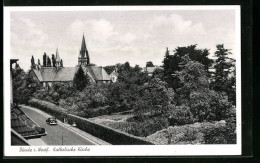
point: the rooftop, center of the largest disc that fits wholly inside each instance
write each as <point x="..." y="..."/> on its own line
<point x="24" y="125"/>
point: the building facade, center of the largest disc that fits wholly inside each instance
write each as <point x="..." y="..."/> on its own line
<point x="47" y="75"/>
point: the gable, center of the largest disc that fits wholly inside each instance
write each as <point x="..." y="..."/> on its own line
<point x="99" y="73"/>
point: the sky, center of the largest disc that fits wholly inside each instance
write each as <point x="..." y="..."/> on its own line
<point x="117" y="36"/>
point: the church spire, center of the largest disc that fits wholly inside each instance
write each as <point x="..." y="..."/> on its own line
<point x="57" y="55"/>
<point x="57" y="58"/>
<point x="83" y="57"/>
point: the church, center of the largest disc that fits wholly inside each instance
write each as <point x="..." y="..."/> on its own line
<point x="47" y="74"/>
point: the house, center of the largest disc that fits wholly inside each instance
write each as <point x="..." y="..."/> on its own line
<point x="24" y="126"/>
<point x="47" y="75"/>
<point x="113" y="75"/>
<point x="150" y="70"/>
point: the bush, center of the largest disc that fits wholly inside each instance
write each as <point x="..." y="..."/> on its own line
<point x="145" y="125"/>
<point x="48" y="107"/>
<point x="106" y="133"/>
<point x="198" y="133"/>
<point x="180" y="115"/>
<point x="220" y="134"/>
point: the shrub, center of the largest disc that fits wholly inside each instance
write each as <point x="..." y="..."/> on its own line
<point x="198" y="133"/>
<point x="48" y="107"/>
<point x="147" y="125"/>
<point x="220" y="133"/>
<point x="106" y="133"/>
<point x="180" y="115"/>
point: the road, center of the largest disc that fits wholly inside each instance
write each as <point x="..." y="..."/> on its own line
<point x="58" y="134"/>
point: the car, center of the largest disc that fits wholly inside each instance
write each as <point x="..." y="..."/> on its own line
<point x="52" y="121"/>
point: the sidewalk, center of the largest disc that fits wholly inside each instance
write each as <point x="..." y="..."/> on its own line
<point x="37" y="142"/>
<point x="83" y="134"/>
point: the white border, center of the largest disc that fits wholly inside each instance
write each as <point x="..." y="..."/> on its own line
<point x="123" y="150"/>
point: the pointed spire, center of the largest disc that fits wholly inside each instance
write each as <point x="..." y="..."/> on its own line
<point x="57" y="55"/>
<point x="84" y="57"/>
<point x="83" y="47"/>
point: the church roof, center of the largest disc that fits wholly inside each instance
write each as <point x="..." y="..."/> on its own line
<point x="100" y="73"/>
<point x="53" y="74"/>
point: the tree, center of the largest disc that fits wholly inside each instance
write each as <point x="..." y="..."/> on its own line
<point x="154" y="97"/>
<point x="23" y="86"/>
<point x="81" y="80"/>
<point x="32" y="63"/>
<point x="48" y="62"/>
<point x="61" y="63"/>
<point x="149" y="64"/>
<point x="158" y="73"/>
<point x="98" y="99"/>
<point x="109" y="69"/>
<point x="222" y="69"/>
<point x="204" y="104"/>
<point x="174" y="63"/>
<point x="44" y="60"/>
<point x="53" y="60"/>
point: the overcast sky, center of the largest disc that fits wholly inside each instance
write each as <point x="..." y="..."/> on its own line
<point x="117" y="36"/>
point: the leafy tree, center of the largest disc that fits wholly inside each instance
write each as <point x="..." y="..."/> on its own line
<point x="154" y="97"/>
<point x="23" y="86"/>
<point x="64" y="90"/>
<point x="180" y="115"/>
<point x="81" y="80"/>
<point x="109" y="69"/>
<point x="204" y="104"/>
<point x="174" y="63"/>
<point x="149" y="64"/>
<point x="158" y="73"/>
<point x="99" y="99"/>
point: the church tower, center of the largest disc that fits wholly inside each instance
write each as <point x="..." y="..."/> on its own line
<point x="83" y="58"/>
<point x="58" y="60"/>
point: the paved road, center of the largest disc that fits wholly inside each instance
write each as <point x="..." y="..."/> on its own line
<point x="58" y="134"/>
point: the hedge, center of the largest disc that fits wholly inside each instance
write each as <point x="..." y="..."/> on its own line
<point x="48" y="107"/>
<point x="106" y="133"/>
<point x="103" y="132"/>
<point x="221" y="132"/>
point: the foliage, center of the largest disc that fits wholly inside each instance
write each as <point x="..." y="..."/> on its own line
<point x="48" y="64"/>
<point x="149" y="64"/>
<point x="205" y="104"/>
<point x="180" y="115"/>
<point x="109" y="69"/>
<point x="108" y="134"/>
<point x="131" y="75"/>
<point x="225" y="73"/>
<point x="53" y="60"/>
<point x="158" y="73"/>
<point x="23" y="86"/>
<point x="44" y="60"/>
<point x="48" y="107"/>
<point x="32" y="63"/>
<point x="174" y="63"/>
<point x="81" y="80"/>
<point x="220" y="132"/>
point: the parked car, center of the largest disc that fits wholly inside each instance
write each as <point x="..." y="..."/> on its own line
<point x="52" y="121"/>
